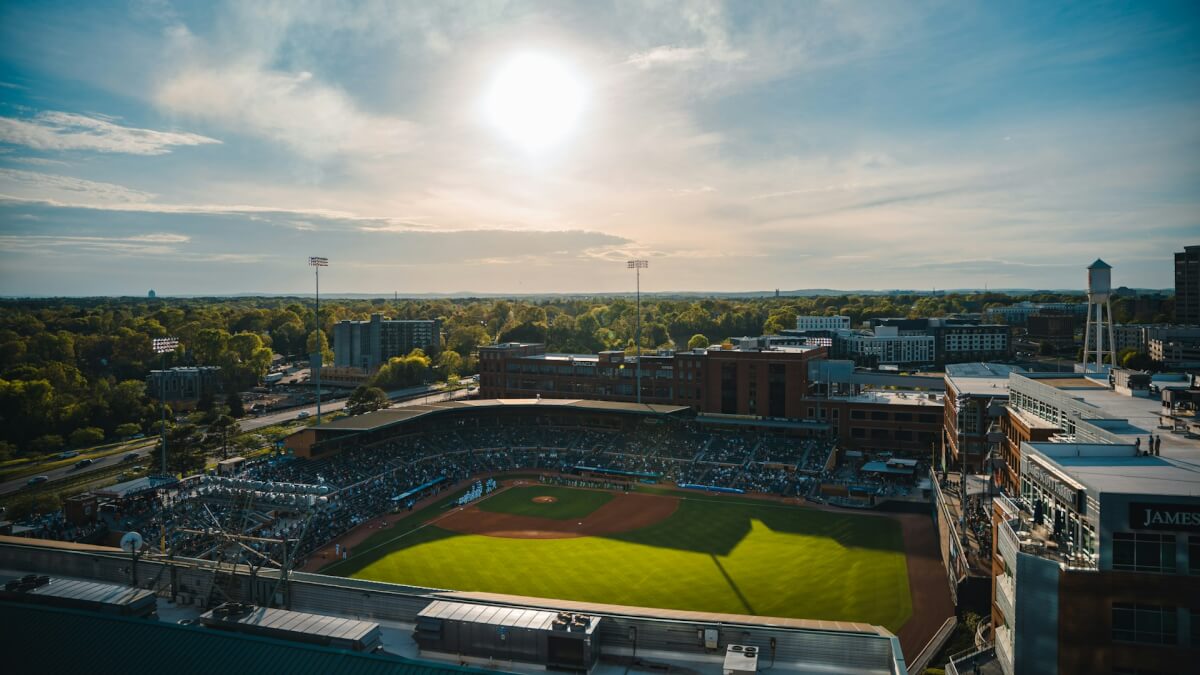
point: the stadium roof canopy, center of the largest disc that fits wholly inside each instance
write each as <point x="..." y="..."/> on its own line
<point x="53" y="640"/>
<point x="381" y="419"/>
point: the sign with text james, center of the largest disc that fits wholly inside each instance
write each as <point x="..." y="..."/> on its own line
<point x="1177" y="517"/>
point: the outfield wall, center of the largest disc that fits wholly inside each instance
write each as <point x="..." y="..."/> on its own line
<point x="665" y="634"/>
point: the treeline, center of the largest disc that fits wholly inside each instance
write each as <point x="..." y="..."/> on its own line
<point x="72" y="371"/>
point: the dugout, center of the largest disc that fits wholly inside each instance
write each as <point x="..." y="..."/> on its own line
<point x="559" y="640"/>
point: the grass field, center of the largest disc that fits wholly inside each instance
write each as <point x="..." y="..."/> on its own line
<point x="712" y="554"/>
<point x="570" y="503"/>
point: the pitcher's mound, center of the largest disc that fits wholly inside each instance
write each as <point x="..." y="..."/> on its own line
<point x="545" y="499"/>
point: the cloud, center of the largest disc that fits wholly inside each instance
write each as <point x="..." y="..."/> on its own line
<point x="666" y="55"/>
<point x="54" y="130"/>
<point x="153" y="244"/>
<point x="312" y="118"/>
<point x="33" y="186"/>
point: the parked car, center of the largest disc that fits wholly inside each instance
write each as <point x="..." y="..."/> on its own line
<point x="37" y="480"/>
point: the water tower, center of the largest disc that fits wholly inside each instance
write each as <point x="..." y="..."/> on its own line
<point x="1099" y="316"/>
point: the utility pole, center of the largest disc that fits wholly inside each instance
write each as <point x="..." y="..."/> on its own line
<point x="638" y="265"/>
<point x="317" y="263"/>
<point x="164" y="346"/>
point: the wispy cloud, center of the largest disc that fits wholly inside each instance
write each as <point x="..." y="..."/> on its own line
<point x="34" y="186"/>
<point x="295" y="109"/>
<point x="54" y="130"/>
<point x="153" y="244"/>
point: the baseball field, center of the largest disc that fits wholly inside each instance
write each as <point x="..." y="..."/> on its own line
<point x="668" y="550"/>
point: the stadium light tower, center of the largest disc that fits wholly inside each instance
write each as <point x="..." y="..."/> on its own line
<point x="317" y="263"/>
<point x="638" y="265"/>
<point x="164" y="346"/>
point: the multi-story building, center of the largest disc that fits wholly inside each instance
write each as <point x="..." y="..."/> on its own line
<point x="184" y="387"/>
<point x="1056" y="329"/>
<point x="763" y="382"/>
<point x="1096" y="567"/>
<point x="1187" y="286"/>
<point x="971" y="343"/>
<point x="976" y="394"/>
<point x="1138" y="336"/>
<point x="1183" y="352"/>
<point x="369" y="344"/>
<point x="887" y="346"/>
<point x="894" y="421"/>
<point x="955" y="340"/>
<point x="1018" y="314"/>
<point x="1096" y="556"/>
<point x="822" y="322"/>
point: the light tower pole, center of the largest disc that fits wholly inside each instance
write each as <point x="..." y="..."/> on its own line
<point x="317" y="263"/>
<point x="638" y="265"/>
<point x="164" y="346"/>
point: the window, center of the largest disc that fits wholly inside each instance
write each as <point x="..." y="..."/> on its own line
<point x="1144" y="552"/>
<point x="858" y="432"/>
<point x="879" y="415"/>
<point x="1144" y="624"/>
<point x="858" y="414"/>
<point x="1194" y="555"/>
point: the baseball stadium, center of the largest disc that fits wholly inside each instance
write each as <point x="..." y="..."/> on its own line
<point x="625" y="504"/>
<point x="648" y="535"/>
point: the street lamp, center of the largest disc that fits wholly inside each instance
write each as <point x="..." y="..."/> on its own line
<point x="164" y="346"/>
<point x="317" y="263"/>
<point x="638" y="265"/>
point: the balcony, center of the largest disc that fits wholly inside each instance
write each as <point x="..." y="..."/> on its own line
<point x="1004" y="649"/>
<point x="1006" y="595"/>
<point x="1020" y="533"/>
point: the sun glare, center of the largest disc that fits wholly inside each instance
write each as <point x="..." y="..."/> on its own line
<point x="534" y="101"/>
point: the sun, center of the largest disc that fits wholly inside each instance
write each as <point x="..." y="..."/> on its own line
<point x="534" y="101"/>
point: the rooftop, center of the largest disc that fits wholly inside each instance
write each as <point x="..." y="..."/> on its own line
<point x="981" y="370"/>
<point x="383" y="418"/>
<point x="894" y="398"/>
<point x="101" y="643"/>
<point x="1123" y="419"/>
<point x="1107" y="468"/>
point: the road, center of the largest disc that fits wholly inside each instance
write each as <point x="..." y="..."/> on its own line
<point x="411" y="396"/>
<point x="252" y="423"/>
<point x="70" y="471"/>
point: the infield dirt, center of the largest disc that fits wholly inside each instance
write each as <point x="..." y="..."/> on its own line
<point x="623" y="513"/>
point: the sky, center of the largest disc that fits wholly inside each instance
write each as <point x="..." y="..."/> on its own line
<point x="529" y="147"/>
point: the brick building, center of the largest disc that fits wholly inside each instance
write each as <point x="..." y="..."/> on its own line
<point x="761" y="383"/>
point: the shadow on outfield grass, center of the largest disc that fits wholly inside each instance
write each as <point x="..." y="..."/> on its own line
<point x="716" y="526"/>
<point x="710" y="525"/>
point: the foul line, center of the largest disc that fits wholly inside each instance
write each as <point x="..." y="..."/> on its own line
<point x="432" y="521"/>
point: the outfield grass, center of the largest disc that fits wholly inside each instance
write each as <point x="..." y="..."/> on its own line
<point x="570" y="504"/>
<point x="712" y="555"/>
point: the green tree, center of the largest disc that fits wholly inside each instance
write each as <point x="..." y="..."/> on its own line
<point x="318" y="342"/>
<point x="128" y="429"/>
<point x="187" y="449"/>
<point x="697" y="341"/>
<point x="366" y="399"/>
<point x="449" y="364"/>
<point x="29" y="505"/>
<point x="224" y="429"/>
<point x="86" y="437"/>
<point x="46" y="444"/>
<point x="237" y="409"/>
